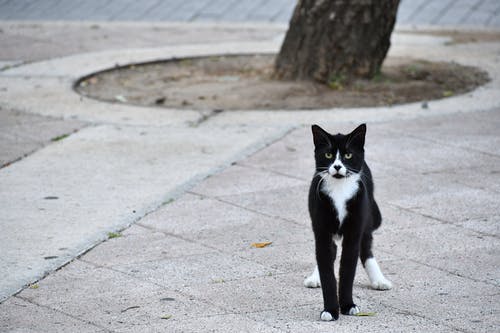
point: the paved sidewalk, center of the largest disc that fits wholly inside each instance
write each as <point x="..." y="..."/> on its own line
<point x="198" y="188"/>
<point x="189" y="267"/>
<point x="478" y="13"/>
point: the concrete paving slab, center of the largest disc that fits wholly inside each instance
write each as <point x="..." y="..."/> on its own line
<point x="426" y="156"/>
<point x="426" y="291"/>
<point x="35" y="41"/>
<point x="305" y="318"/>
<point x="91" y="294"/>
<point x="296" y="152"/>
<point x="18" y="315"/>
<point x="276" y="203"/>
<point x="478" y="136"/>
<point x="201" y="269"/>
<point x="140" y="247"/>
<point x="232" y="288"/>
<point x="193" y="215"/>
<point x="488" y="225"/>
<point x="230" y="182"/>
<point x="464" y="252"/>
<point x="217" y="323"/>
<point x="258" y="294"/>
<point x="453" y="203"/>
<point x="22" y="133"/>
<point x="261" y="229"/>
<point x="295" y="257"/>
<point x="113" y="174"/>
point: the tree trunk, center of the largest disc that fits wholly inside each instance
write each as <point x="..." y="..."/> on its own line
<point x="335" y="40"/>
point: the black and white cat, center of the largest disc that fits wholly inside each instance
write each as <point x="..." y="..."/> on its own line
<point x="342" y="206"/>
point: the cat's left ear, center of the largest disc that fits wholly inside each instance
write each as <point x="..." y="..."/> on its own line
<point x="357" y="137"/>
<point x="320" y="136"/>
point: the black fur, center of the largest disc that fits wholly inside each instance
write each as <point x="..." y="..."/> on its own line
<point x="363" y="216"/>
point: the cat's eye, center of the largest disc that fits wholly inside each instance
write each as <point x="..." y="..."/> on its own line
<point x="348" y="156"/>
<point x="329" y="156"/>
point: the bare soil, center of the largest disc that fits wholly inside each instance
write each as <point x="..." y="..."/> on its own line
<point x="246" y="83"/>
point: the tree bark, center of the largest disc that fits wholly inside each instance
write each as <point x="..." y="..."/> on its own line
<point x="333" y="40"/>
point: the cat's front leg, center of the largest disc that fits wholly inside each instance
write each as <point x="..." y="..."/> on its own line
<point x="348" y="262"/>
<point x="326" y="252"/>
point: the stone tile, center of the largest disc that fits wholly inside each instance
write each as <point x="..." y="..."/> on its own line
<point x="239" y="180"/>
<point x="480" y="134"/>
<point x="293" y="155"/>
<point x="111" y="299"/>
<point x="216" y="323"/>
<point x="287" y="203"/>
<point x="139" y="247"/>
<point x="486" y="323"/>
<point x="289" y="258"/>
<point x="400" y="184"/>
<point x="488" y="225"/>
<point x="418" y="234"/>
<point x="426" y="291"/>
<point x="488" y="178"/>
<point x="464" y="253"/>
<point x="453" y="203"/>
<point x="306" y="319"/>
<point x="468" y="263"/>
<point x="258" y="294"/>
<point x="420" y="155"/>
<point x="262" y="229"/>
<point x="194" y="215"/>
<point x="22" y="134"/>
<point x="18" y="315"/>
<point x="395" y="219"/>
<point x="210" y="268"/>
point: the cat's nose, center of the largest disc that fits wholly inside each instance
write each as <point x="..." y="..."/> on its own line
<point x="337" y="167"/>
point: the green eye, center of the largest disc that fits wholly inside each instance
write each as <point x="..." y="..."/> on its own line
<point x="329" y="155"/>
<point x="348" y="156"/>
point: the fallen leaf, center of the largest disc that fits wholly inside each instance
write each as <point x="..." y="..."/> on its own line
<point x="260" y="245"/>
<point x="114" y="235"/>
<point x="447" y="93"/>
<point x="365" y="314"/>
<point x="34" y="286"/>
<point x="166" y="316"/>
<point x="121" y="98"/>
<point x="130" y="308"/>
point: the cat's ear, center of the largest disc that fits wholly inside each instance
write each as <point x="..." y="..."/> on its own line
<point x="320" y="136"/>
<point x="356" y="138"/>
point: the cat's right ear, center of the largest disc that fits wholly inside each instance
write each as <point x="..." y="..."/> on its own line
<point x="320" y="136"/>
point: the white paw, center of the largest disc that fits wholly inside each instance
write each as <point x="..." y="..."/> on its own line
<point x="313" y="281"/>
<point x="326" y="316"/>
<point x="377" y="279"/>
<point x="381" y="284"/>
<point x="354" y="311"/>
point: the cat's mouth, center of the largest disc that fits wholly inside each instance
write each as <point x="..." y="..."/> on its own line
<point x="338" y="176"/>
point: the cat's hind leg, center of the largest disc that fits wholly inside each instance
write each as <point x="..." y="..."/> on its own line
<point x="313" y="280"/>
<point x="377" y="279"/>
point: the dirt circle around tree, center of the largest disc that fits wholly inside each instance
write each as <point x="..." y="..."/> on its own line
<point x="245" y="82"/>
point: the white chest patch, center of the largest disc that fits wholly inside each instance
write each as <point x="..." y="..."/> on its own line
<point x="340" y="191"/>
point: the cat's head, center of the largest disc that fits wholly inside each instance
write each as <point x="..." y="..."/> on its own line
<point x="340" y="155"/>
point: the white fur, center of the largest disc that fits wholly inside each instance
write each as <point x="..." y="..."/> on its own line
<point x="326" y="316"/>
<point x="377" y="279"/>
<point x="313" y="280"/>
<point x="353" y="311"/>
<point x="340" y="191"/>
